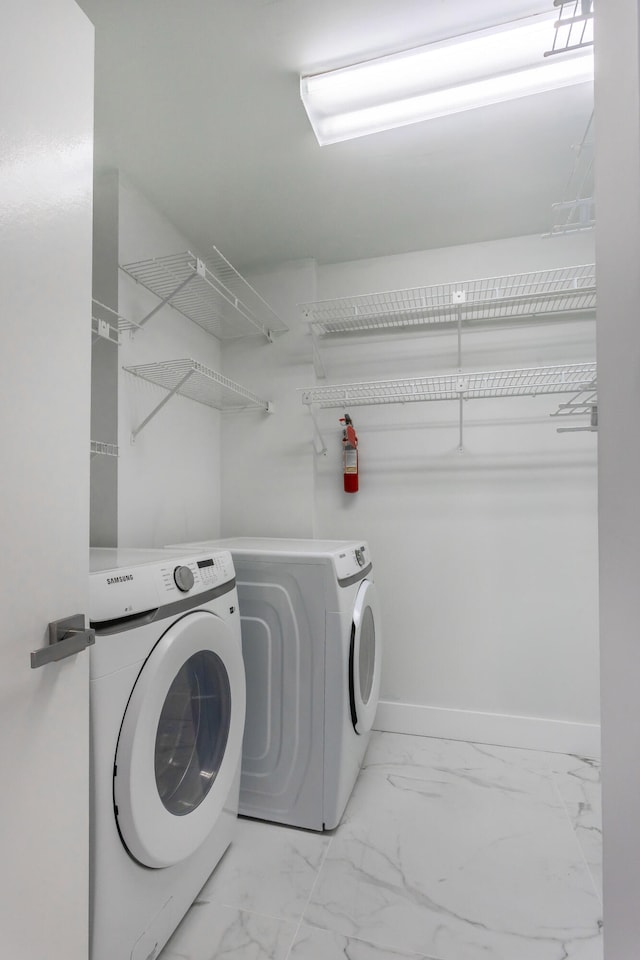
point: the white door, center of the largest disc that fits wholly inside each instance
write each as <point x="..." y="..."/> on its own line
<point x="46" y="129"/>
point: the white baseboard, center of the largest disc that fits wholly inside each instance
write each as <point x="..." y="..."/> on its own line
<point x="530" y="733"/>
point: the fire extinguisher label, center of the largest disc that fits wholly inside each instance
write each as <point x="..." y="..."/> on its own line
<point x="350" y="461"/>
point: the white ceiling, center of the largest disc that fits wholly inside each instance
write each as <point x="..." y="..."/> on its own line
<point x="197" y="102"/>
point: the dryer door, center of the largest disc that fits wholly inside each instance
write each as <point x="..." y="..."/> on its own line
<point x="181" y="740"/>
<point x="365" y="657"/>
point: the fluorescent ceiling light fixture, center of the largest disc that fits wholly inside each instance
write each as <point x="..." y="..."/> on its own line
<point x="482" y="68"/>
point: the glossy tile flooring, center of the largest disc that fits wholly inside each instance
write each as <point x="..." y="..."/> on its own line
<point x="447" y="851"/>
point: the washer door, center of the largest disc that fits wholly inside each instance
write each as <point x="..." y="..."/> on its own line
<point x="365" y="657"/>
<point x="181" y="740"/>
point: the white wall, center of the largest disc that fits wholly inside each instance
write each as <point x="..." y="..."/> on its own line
<point x="169" y="479"/>
<point x="487" y="559"/>
<point x="267" y="486"/>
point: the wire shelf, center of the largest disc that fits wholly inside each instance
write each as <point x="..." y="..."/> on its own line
<point x="211" y="293"/>
<point x="531" y="381"/>
<point x="100" y="448"/>
<point x="188" y="378"/>
<point x="563" y="290"/>
<point x="574" y="26"/>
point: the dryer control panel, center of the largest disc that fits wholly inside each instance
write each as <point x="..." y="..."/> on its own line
<point x="120" y="591"/>
<point x="352" y="560"/>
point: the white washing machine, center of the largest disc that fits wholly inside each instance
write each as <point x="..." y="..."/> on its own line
<point x="311" y="642"/>
<point x="167" y="720"/>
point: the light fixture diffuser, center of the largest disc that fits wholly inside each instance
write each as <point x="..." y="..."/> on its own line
<point x="482" y="68"/>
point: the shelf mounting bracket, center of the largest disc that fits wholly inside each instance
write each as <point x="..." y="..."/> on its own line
<point x="322" y="452"/>
<point x="158" y="408"/>
<point x="461" y="424"/>
<point x="168" y="298"/>
<point x="318" y="363"/>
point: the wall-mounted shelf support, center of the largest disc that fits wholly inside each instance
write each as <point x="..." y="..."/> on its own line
<point x="322" y="451"/>
<point x="318" y="363"/>
<point x="188" y="378"/>
<point x="108" y="324"/>
<point x="103" y="329"/>
<point x="459" y="297"/>
<point x="174" y="293"/>
<point x="172" y="392"/>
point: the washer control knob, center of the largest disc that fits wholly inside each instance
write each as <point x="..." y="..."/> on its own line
<point x="184" y="578"/>
<point x="360" y="556"/>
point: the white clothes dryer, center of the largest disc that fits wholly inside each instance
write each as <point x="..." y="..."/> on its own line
<point x="311" y="642"/>
<point x="167" y="718"/>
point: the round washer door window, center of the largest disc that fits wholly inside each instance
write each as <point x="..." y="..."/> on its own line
<point x="180" y="742"/>
<point x="192" y="732"/>
<point x="365" y="657"/>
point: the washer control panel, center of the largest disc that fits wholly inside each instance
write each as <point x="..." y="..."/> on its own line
<point x="195" y="575"/>
<point x="134" y="588"/>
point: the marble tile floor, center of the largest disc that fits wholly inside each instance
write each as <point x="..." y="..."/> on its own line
<point x="447" y="851"/>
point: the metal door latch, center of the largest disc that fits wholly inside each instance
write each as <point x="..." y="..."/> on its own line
<point x="66" y="637"/>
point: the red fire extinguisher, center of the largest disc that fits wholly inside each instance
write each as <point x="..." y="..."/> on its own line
<point x="349" y="455"/>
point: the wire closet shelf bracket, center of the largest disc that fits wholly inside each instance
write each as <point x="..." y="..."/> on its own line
<point x="107" y="324"/>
